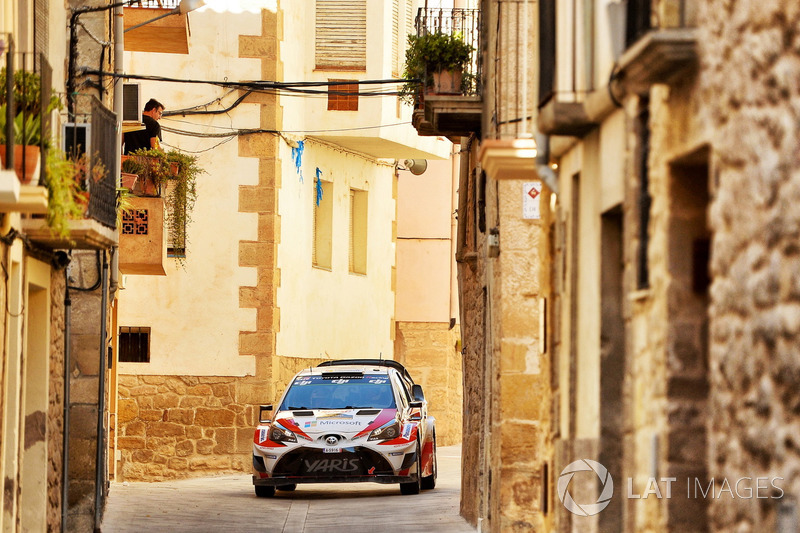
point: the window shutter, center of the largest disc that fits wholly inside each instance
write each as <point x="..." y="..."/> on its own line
<point x="396" y="36"/>
<point x="341" y="34"/>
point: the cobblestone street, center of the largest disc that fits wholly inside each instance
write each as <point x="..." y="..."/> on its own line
<point x="228" y="503"/>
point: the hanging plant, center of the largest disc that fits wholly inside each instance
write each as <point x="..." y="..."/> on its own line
<point x="64" y="191"/>
<point x="178" y="172"/>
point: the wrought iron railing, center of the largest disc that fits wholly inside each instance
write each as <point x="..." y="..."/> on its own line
<point x="156" y="4"/>
<point x="643" y="16"/>
<point x="103" y="193"/>
<point x="467" y="24"/>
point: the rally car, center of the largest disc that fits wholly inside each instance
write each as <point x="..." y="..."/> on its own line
<point x="347" y="421"/>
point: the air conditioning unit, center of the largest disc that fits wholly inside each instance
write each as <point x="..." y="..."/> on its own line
<point x="76" y="138"/>
<point x="131" y="102"/>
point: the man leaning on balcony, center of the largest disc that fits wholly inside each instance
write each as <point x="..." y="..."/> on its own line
<point x="149" y="137"/>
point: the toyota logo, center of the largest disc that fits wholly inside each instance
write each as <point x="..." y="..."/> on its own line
<point x="331" y="440"/>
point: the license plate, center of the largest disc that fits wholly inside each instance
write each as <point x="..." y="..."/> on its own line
<point x="331" y="450"/>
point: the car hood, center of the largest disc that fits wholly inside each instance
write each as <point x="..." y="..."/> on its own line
<point x="353" y="423"/>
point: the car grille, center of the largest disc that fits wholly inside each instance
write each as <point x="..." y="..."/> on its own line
<point x="313" y="463"/>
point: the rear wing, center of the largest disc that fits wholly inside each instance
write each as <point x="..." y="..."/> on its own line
<point x="371" y="362"/>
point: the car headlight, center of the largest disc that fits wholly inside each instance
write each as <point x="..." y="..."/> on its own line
<point x="391" y="431"/>
<point x="279" y="434"/>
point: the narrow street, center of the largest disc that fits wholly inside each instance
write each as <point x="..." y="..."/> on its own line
<point x="228" y="503"/>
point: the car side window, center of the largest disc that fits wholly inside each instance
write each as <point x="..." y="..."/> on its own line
<point x="401" y="386"/>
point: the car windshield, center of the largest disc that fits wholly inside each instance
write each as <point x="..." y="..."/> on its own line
<point x="352" y="391"/>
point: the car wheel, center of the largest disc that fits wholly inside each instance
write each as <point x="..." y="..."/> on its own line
<point x="287" y="488"/>
<point x="413" y="487"/>
<point x="265" y="491"/>
<point x="429" y="482"/>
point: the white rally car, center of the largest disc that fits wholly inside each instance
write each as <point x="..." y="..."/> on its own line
<point x="347" y="421"/>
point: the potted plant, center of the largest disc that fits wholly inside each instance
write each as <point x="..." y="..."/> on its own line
<point x="438" y="60"/>
<point x="173" y="170"/>
<point x="27" y="124"/>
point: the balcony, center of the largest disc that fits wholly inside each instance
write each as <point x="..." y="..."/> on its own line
<point x="166" y="35"/>
<point x="443" y="112"/>
<point x="91" y="222"/>
<point x="658" y="54"/>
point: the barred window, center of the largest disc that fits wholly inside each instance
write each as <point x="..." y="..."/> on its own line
<point x="134" y="344"/>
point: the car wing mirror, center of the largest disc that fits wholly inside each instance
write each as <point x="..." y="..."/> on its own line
<point x="416" y="410"/>
<point x="415" y="405"/>
<point x="261" y="417"/>
<point x="416" y="392"/>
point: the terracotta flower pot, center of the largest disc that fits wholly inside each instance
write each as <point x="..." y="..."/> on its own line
<point x="128" y="180"/>
<point x="29" y="175"/>
<point x="447" y="82"/>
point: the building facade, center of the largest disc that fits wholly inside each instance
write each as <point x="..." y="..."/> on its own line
<point x="293" y="248"/>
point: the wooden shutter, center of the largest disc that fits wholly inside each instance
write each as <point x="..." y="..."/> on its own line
<point x="397" y="35"/>
<point x="341" y="34"/>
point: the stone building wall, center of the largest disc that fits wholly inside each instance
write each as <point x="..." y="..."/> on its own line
<point x="55" y="414"/>
<point x="431" y="353"/>
<point x="752" y="87"/>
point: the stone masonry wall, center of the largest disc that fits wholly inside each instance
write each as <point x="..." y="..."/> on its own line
<point x="751" y="55"/>
<point x="55" y="414"/>
<point x="429" y="352"/>
<point x="171" y="427"/>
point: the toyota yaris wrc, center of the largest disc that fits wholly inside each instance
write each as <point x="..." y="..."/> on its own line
<point x="347" y="421"/>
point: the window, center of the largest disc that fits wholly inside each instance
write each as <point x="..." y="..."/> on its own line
<point x="547" y="50"/>
<point x="358" y="231"/>
<point x="644" y="199"/>
<point x="134" y="345"/>
<point x="323" y="223"/>
<point x="341" y="35"/>
<point x="343" y="97"/>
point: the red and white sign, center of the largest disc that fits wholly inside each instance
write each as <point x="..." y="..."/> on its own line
<point x="531" y="192"/>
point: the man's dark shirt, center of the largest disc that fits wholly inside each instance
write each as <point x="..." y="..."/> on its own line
<point x="135" y="140"/>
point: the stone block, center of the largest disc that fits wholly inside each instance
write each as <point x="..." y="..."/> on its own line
<point x="151" y="415"/>
<point x="166" y="400"/>
<point x="191" y="401"/>
<point x="225" y="441"/>
<point x="194" y="432"/>
<point x="244" y="440"/>
<point x="209" y="464"/>
<point x="253" y="394"/>
<point x="165" y="429"/>
<point x="85" y="354"/>
<point x="214" y="417"/>
<point x="202" y="389"/>
<point x="180" y="416"/>
<point x="83" y="421"/>
<point x="184" y="448"/>
<point x="83" y="390"/>
<point x="130" y="443"/>
<point x="521" y="443"/>
<point x="153" y="380"/>
<point x="133" y="429"/>
<point x="179" y="464"/>
<point x="205" y="446"/>
<point x="127" y="410"/>
<point x="142" y="456"/>
<point x="256" y="254"/>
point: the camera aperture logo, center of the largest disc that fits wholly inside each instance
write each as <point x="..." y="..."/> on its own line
<point x="585" y="509"/>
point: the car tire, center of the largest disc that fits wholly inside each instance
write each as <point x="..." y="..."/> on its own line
<point x="263" y="491"/>
<point x="414" y="487"/>
<point x="287" y="488"/>
<point x="429" y="482"/>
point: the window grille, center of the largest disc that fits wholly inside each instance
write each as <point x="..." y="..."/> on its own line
<point x="134" y="344"/>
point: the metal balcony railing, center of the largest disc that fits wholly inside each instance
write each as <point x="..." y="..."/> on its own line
<point x="465" y="22"/>
<point x="643" y="16"/>
<point x="156" y="4"/>
<point x="103" y="193"/>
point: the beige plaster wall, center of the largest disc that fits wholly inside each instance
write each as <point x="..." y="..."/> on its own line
<point x="327" y="313"/>
<point x="206" y="287"/>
